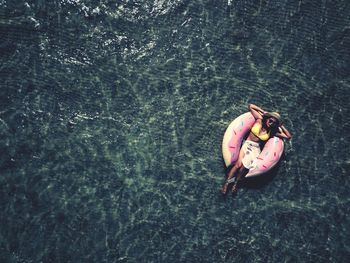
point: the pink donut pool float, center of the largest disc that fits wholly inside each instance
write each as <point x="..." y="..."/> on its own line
<point x="232" y="142"/>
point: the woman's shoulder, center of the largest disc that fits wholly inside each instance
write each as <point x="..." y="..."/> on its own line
<point x="258" y="121"/>
<point x="256" y="126"/>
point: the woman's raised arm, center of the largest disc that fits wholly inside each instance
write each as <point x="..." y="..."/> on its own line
<point x="256" y="111"/>
<point x="284" y="133"/>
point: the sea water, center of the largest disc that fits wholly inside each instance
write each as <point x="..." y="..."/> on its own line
<point x="112" y="115"/>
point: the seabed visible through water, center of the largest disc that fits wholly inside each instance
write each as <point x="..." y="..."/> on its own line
<point x="111" y="120"/>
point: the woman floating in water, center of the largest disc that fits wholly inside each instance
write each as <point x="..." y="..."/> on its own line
<point x="267" y="124"/>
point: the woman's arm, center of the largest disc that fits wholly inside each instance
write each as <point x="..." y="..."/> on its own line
<point x="256" y="111"/>
<point x="284" y="133"/>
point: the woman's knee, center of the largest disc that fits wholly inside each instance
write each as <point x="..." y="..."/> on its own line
<point x="238" y="164"/>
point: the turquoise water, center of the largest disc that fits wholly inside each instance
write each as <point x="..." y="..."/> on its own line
<point x="112" y="115"/>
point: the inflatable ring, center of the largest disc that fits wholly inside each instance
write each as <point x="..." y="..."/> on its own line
<point x="232" y="142"/>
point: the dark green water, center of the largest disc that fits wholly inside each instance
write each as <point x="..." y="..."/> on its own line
<point x="112" y="115"/>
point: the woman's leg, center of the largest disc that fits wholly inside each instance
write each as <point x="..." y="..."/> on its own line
<point x="233" y="170"/>
<point x="237" y="165"/>
<point x="241" y="174"/>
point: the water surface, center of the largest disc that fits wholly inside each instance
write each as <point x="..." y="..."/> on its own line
<point x="112" y="115"/>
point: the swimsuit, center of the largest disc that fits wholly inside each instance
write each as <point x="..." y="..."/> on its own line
<point x="252" y="149"/>
<point x="256" y="131"/>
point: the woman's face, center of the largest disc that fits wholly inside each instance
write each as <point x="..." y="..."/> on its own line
<point x="271" y="122"/>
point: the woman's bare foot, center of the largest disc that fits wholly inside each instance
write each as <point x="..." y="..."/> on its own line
<point x="224" y="188"/>
<point x="234" y="188"/>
